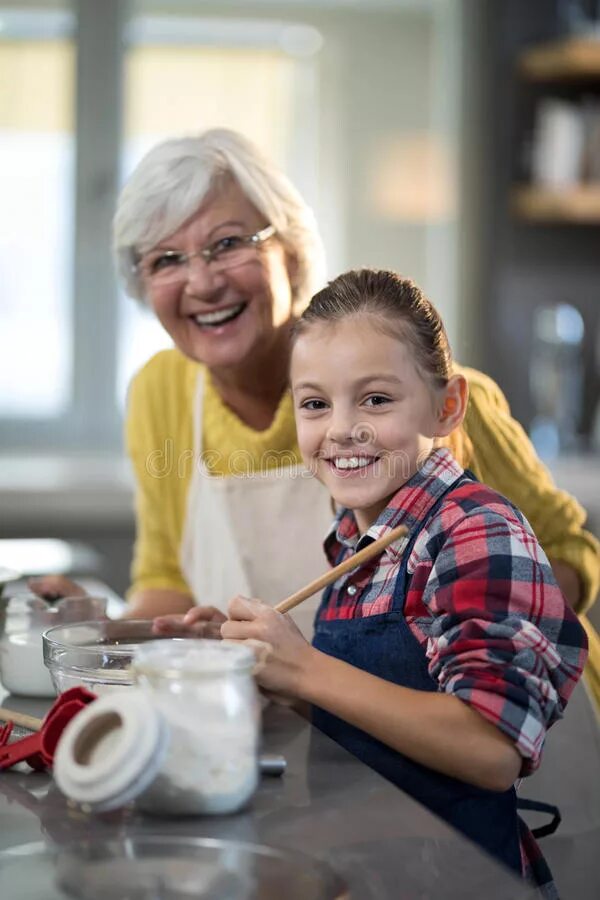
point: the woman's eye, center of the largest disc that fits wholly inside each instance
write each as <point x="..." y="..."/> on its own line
<point x="165" y="261"/>
<point x="225" y="244"/>
<point x="377" y="400"/>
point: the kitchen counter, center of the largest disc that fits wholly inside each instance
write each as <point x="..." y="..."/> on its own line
<point x="328" y="805"/>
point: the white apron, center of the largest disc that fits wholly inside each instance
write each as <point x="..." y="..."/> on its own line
<point x="257" y="535"/>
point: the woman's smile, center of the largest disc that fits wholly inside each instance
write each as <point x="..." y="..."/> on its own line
<point x="217" y="318"/>
<point x="224" y="318"/>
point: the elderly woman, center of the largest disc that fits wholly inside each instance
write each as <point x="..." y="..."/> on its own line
<point x="224" y="250"/>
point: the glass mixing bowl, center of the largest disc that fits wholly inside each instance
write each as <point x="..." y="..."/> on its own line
<point x="170" y="867"/>
<point x="96" y="655"/>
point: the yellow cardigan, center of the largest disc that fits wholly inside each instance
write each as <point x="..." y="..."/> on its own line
<point x="491" y="443"/>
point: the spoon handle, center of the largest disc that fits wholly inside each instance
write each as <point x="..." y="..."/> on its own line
<point x="24" y="721"/>
<point x="353" y="562"/>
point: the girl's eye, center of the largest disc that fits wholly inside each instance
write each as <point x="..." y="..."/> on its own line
<point x="313" y="405"/>
<point x="377" y="400"/>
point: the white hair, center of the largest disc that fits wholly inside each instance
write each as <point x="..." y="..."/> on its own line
<point x="172" y="180"/>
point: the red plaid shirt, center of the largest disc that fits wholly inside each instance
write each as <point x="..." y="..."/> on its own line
<point x="482" y="601"/>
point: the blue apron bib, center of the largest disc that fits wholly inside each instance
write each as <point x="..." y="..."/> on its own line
<point x="385" y="646"/>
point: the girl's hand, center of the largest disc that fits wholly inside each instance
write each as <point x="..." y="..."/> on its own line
<point x="199" y="621"/>
<point x="53" y="587"/>
<point x="289" y="655"/>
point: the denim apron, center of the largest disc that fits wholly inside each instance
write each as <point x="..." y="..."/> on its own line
<point x="385" y="646"/>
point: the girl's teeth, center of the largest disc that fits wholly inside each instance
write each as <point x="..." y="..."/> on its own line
<point x="351" y="462"/>
<point x="220" y="315"/>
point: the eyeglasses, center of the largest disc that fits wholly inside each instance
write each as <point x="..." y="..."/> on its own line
<point x="165" y="266"/>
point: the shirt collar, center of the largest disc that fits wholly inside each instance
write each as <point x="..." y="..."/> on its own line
<point x="409" y="506"/>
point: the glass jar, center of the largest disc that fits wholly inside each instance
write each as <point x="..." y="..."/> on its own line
<point x="23" y="620"/>
<point x="205" y="691"/>
<point x="184" y="742"/>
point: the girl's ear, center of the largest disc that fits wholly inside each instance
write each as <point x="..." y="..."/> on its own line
<point x="453" y="405"/>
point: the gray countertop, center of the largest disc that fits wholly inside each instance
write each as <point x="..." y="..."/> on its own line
<point x="327" y="805"/>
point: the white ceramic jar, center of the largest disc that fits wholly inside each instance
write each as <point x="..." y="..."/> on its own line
<point x="23" y="621"/>
<point x="185" y="741"/>
<point x="22" y="669"/>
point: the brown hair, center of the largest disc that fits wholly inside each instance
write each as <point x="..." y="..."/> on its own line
<point x="399" y="308"/>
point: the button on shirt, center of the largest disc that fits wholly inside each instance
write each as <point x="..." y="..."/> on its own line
<point x="482" y="600"/>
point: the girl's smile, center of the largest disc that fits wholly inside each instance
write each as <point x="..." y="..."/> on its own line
<point x="346" y="466"/>
<point x="366" y="420"/>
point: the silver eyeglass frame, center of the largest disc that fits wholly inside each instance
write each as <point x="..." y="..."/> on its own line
<point x="208" y="253"/>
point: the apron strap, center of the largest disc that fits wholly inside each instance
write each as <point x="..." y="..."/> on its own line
<point x="197" y="412"/>
<point x="403" y="577"/>
<point x="539" y="806"/>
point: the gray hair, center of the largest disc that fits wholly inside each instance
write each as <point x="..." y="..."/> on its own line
<point x="172" y="180"/>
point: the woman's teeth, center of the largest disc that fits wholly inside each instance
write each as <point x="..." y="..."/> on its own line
<point x="352" y="462"/>
<point x="219" y="316"/>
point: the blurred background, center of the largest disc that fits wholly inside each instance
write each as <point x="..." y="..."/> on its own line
<point x="483" y="115"/>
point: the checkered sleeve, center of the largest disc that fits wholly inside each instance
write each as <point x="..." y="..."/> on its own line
<point x="502" y="637"/>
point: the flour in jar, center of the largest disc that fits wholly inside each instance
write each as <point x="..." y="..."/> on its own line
<point x="212" y="713"/>
<point x="205" y="770"/>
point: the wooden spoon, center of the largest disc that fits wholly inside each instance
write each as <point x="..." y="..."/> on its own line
<point x="353" y="562"/>
<point x="20" y="719"/>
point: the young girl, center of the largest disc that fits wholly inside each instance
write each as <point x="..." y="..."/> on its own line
<point x="442" y="663"/>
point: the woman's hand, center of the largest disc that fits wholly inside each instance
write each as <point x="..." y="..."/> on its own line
<point x="53" y="587"/>
<point x="289" y="654"/>
<point x="199" y="621"/>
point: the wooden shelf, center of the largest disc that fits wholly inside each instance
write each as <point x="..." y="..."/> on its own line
<point x="576" y="205"/>
<point x="566" y="60"/>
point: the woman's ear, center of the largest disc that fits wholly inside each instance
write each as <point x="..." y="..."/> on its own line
<point x="453" y="406"/>
<point x="293" y="268"/>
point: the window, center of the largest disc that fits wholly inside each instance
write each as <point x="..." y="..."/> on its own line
<point x="169" y="65"/>
<point x="69" y="341"/>
<point x="86" y="88"/>
<point x="36" y="223"/>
